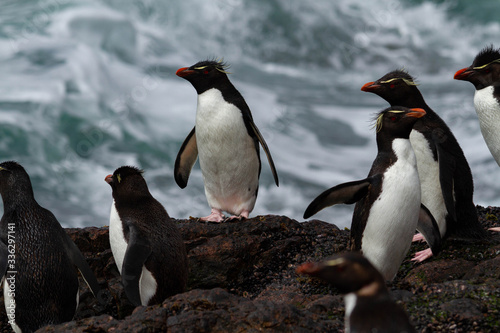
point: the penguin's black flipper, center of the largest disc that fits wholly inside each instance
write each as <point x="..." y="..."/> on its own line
<point x="266" y="150"/>
<point x="347" y="193"/>
<point x="428" y="227"/>
<point x="79" y="261"/>
<point x="447" y="167"/>
<point x="4" y="255"/>
<point x="138" y="250"/>
<point x="185" y="159"/>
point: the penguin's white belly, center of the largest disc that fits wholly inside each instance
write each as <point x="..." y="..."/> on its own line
<point x="228" y="157"/>
<point x="428" y="171"/>
<point x="394" y="214"/>
<point x="8" y="300"/>
<point x="147" y="283"/>
<point x="488" y="112"/>
<point x="117" y="240"/>
<point x="350" y="302"/>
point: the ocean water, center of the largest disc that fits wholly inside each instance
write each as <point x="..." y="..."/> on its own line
<point x="88" y="86"/>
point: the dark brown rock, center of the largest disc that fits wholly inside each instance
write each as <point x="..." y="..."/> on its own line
<point x="488" y="269"/>
<point x="465" y="308"/>
<point x="439" y="271"/>
<point x="242" y="278"/>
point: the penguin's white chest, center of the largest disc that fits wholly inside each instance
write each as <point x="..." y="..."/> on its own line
<point x="117" y="240"/>
<point x="228" y="156"/>
<point x="488" y="112"/>
<point x="118" y="243"/>
<point x="350" y="303"/>
<point x="394" y="214"/>
<point x="430" y="184"/>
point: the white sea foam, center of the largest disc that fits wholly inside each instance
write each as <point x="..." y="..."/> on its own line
<point x="92" y="87"/>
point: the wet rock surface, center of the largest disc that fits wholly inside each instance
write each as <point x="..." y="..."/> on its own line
<point x="242" y="279"/>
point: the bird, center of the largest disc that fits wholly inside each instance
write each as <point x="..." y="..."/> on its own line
<point x="226" y="140"/>
<point x="37" y="258"/>
<point x="388" y="204"/>
<point x="368" y="304"/>
<point x="484" y="74"/>
<point x="147" y="246"/>
<point x="445" y="176"/>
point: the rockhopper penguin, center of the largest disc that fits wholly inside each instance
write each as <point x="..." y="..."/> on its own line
<point x="37" y="258"/>
<point x="226" y="140"/>
<point x="445" y="175"/>
<point x="147" y="246"/>
<point x="388" y="206"/>
<point x="484" y="74"/>
<point x="368" y="304"/>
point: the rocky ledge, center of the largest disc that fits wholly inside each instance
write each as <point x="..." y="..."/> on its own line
<point x="242" y="279"/>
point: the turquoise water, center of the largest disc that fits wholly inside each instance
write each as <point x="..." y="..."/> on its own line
<point x="88" y="86"/>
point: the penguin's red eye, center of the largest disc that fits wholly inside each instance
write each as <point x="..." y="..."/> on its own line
<point x="205" y="72"/>
<point x="392" y="85"/>
<point x="393" y="118"/>
<point x="487" y="71"/>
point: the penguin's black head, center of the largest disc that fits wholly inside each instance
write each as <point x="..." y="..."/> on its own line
<point x="397" y="87"/>
<point x="348" y="272"/>
<point x="127" y="182"/>
<point x="397" y="121"/>
<point x="205" y="74"/>
<point x="11" y="166"/>
<point x="485" y="69"/>
<point x="14" y="179"/>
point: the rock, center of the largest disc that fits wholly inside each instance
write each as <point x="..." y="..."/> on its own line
<point x="488" y="269"/>
<point x="464" y="308"/>
<point x="242" y="278"/>
<point x="439" y="271"/>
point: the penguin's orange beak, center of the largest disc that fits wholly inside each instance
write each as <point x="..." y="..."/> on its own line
<point x="463" y="74"/>
<point x="370" y="87"/>
<point x="416" y="113"/>
<point x="184" y="71"/>
<point x="109" y="179"/>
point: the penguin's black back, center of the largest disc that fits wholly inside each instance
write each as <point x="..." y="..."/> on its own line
<point x="46" y="282"/>
<point x="168" y="261"/>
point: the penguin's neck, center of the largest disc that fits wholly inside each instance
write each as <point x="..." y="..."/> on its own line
<point x="403" y="150"/>
<point x="18" y="198"/>
<point x="386" y="144"/>
<point x="488" y="111"/>
<point x="222" y="84"/>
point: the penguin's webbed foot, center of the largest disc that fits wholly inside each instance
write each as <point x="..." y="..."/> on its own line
<point x="215" y="216"/>
<point x="418" y="238"/>
<point x="244" y="215"/>
<point x="497" y="229"/>
<point x="422" y="255"/>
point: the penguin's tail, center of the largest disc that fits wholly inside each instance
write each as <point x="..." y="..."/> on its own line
<point x="468" y="226"/>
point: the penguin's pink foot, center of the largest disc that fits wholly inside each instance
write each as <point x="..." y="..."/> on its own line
<point x="418" y="237"/>
<point x="244" y="215"/>
<point x="497" y="229"/>
<point x="422" y="255"/>
<point x="215" y="216"/>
